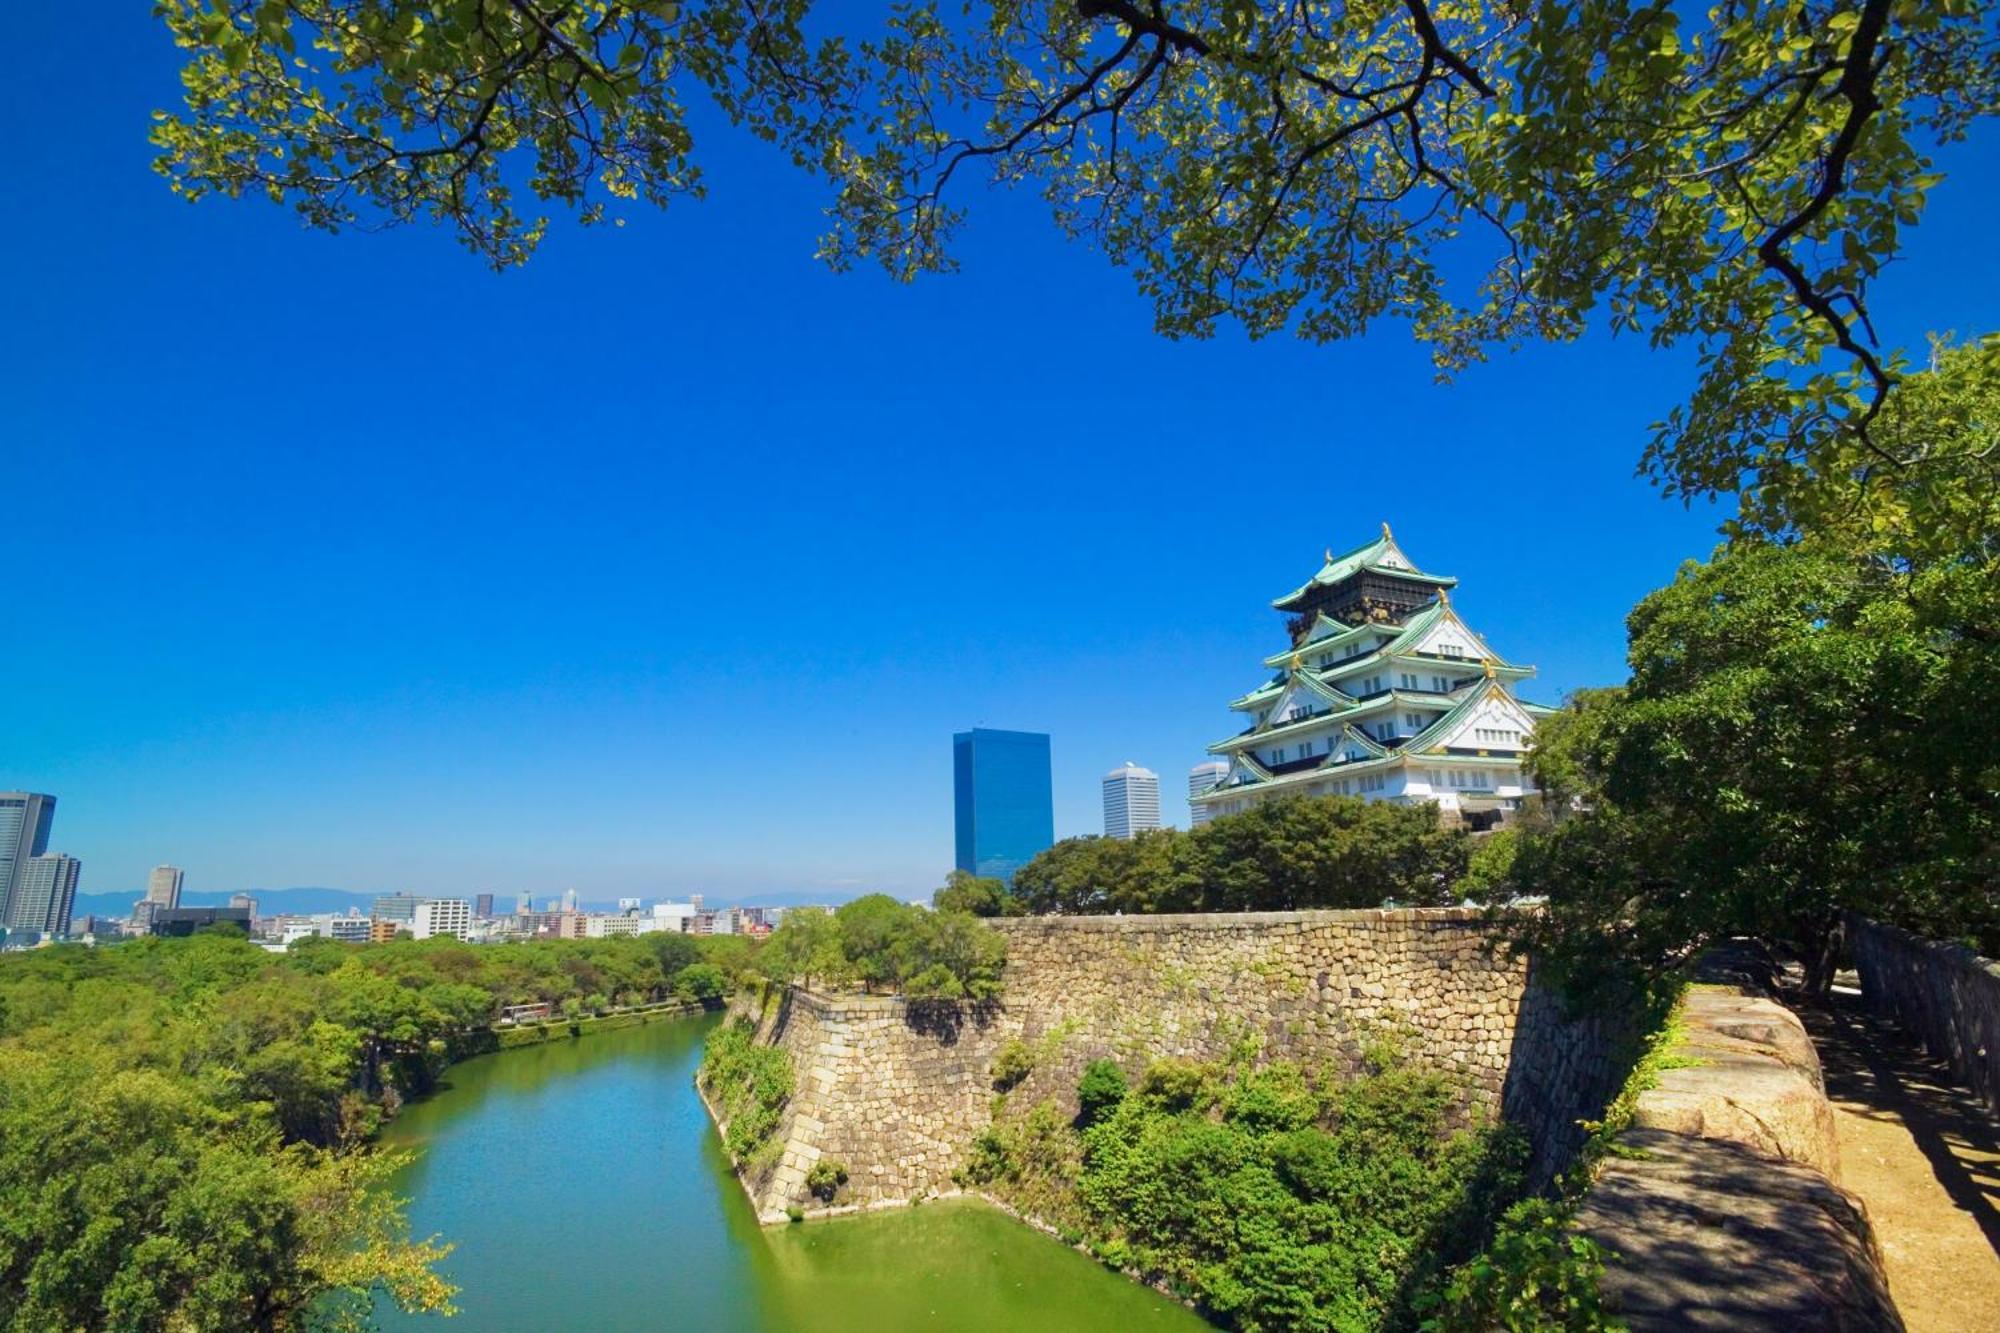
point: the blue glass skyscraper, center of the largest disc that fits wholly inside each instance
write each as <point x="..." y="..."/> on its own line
<point x="1005" y="812"/>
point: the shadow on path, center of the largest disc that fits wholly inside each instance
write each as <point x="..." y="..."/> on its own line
<point x="1911" y="1139"/>
<point x="1881" y="1072"/>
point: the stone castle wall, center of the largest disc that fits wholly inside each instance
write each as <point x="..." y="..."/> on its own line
<point x="1945" y="994"/>
<point x="896" y="1090"/>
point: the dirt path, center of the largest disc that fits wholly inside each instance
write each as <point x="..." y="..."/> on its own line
<point x="1925" y="1157"/>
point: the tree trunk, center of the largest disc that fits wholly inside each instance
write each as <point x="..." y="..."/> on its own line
<point x="1822" y="958"/>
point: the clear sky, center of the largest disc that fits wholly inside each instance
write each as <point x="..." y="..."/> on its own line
<point x="672" y="562"/>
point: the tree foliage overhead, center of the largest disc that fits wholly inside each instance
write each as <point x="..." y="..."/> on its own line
<point x="1487" y="172"/>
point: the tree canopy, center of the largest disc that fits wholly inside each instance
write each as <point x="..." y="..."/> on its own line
<point x="1485" y="172"/>
<point x="887" y="945"/>
<point x="1279" y="855"/>
<point x="1806" y="732"/>
<point x="981" y="895"/>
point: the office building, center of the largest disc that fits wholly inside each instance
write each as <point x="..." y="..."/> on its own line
<point x="179" y="921"/>
<point x="676" y="917"/>
<point x="353" y="928"/>
<point x="1131" y="801"/>
<point x="1201" y="780"/>
<point x="246" y="902"/>
<point x="400" y="908"/>
<point x="44" y="891"/>
<point x="1384" y="693"/>
<point x="350" y="928"/>
<point x="1003" y="807"/>
<point x="25" y="817"/>
<point x="482" y="906"/>
<point x="163" y="886"/>
<point x="569" y="900"/>
<point x="442" y="916"/>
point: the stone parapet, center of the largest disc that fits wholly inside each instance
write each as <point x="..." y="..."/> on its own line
<point x="1944" y="994"/>
<point x="1722" y="1205"/>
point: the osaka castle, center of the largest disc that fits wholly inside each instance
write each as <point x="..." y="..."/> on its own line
<point x="1385" y="693"/>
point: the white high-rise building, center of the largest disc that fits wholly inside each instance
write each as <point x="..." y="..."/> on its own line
<point x="44" y="890"/>
<point x="163" y="887"/>
<point x="1201" y="778"/>
<point x="442" y="916"/>
<point x="1131" y="801"/>
<point x="1384" y="693"/>
<point x="25" y="817"/>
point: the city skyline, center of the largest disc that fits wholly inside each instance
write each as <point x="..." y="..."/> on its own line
<point x="310" y="639"/>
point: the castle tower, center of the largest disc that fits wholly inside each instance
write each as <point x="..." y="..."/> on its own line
<point x="1384" y="693"/>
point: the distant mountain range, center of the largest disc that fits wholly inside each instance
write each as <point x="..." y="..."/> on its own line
<point x="302" y="902"/>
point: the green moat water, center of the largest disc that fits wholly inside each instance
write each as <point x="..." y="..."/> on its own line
<point x="584" y="1190"/>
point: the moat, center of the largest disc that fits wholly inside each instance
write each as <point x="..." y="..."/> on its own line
<point x="584" y="1188"/>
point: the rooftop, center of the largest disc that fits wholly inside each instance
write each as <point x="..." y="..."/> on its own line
<point x="1381" y="556"/>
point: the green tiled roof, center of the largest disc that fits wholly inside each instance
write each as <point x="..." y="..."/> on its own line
<point x="1368" y="557"/>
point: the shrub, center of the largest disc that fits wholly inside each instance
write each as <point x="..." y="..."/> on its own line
<point x="825" y="1179"/>
<point x="1014" y="1062"/>
<point x="1271" y="1200"/>
<point x="1099" y="1091"/>
<point x="751" y="1084"/>
<point x="1175" y="1084"/>
<point x="987" y="1161"/>
<point x="1534" y="1275"/>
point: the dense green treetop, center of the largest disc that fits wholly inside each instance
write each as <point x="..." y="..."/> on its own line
<point x="1281" y="854"/>
<point x="1486" y="172"/>
<point x="887" y="945"/>
<point x="978" y="894"/>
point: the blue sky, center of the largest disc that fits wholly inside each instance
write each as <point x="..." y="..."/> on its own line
<point x="672" y="562"/>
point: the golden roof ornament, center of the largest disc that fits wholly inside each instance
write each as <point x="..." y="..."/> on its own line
<point x="1385" y="531"/>
<point x="1444" y="597"/>
<point x="1329" y="555"/>
<point x="1488" y="664"/>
